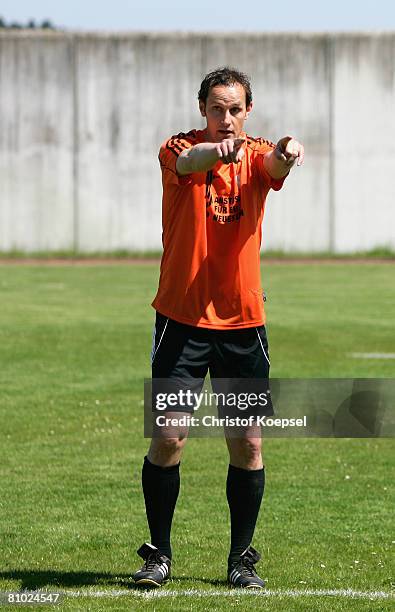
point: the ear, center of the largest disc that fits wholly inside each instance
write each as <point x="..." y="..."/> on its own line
<point x="202" y="108"/>
<point x="248" y="110"/>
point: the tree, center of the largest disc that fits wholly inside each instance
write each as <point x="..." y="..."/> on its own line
<point x="46" y="24"/>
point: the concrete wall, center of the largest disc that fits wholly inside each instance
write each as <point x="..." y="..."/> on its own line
<point x="82" y="117"/>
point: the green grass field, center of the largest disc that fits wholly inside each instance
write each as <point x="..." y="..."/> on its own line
<point x="75" y="343"/>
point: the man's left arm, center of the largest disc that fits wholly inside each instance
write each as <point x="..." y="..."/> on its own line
<point x="280" y="160"/>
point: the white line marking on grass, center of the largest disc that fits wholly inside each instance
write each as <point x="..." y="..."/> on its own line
<point x="163" y="593"/>
<point x="372" y="355"/>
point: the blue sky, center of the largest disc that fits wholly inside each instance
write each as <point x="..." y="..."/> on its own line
<point x="209" y="15"/>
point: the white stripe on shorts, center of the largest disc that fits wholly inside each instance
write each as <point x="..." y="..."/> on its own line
<point x="154" y="351"/>
<point x="264" y="352"/>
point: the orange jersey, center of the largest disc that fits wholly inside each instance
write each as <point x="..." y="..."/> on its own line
<point x="210" y="268"/>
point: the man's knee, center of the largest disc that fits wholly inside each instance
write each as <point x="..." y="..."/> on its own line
<point x="166" y="451"/>
<point x="246" y="452"/>
<point x="250" y="448"/>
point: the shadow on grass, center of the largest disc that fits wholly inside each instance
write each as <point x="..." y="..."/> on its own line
<point x="38" y="579"/>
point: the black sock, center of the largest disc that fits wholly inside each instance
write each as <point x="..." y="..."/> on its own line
<point x="161" y="486"/>
<point x="244" y="491"/>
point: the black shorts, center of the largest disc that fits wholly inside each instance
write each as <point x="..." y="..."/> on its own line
<point x="183" y="355"/>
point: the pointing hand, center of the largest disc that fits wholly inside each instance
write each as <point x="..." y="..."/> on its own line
<point x="289" y="150"/>
<point x="230" y="151"/>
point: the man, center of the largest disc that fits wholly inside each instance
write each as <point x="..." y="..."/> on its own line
<point x="210" y="312"/>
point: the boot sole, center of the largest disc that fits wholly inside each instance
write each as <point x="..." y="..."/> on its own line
<point x="148" y="582"/>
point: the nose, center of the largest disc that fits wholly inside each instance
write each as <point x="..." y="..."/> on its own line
<point x="226" y="119"/>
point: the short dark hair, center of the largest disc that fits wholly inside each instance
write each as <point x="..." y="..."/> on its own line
<point x="225" y="76"/>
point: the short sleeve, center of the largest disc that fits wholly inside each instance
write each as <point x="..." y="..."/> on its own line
<point x="169" y="152"/>
<point x="271" y="182"/>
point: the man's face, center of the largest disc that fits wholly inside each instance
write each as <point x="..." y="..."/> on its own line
<point x="225" y="111"/>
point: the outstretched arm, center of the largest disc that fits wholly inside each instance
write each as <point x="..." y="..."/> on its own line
<point x="280" y="160"/>
<point x="205" y="155"/>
